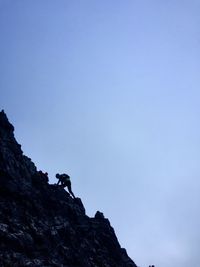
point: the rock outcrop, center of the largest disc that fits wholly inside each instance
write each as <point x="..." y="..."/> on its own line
<point x="41" y="225"/>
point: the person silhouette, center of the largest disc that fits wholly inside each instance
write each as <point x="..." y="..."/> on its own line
<point x="64" y="179"/>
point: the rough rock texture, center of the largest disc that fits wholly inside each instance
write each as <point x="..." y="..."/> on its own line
<point x="41" y="225"/>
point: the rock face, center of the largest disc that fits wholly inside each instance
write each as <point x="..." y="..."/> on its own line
<point x="41" y="225"/>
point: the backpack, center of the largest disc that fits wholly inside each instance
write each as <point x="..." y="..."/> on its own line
<point x="65" y="179"/>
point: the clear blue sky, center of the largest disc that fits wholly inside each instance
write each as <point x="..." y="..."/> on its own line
<point x="108" y="92"/>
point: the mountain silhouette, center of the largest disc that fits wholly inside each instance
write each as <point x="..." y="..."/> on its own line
<point x="41" y="224"/>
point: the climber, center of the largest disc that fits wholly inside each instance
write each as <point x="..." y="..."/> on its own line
<point x="64" y="179"/>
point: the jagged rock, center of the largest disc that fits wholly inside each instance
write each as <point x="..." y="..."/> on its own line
<point x="41" y="225"/>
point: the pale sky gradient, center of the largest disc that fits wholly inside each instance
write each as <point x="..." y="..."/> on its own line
<point x="108" y="92"/>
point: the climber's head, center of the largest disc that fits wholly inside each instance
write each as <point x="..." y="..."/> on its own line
<point x="57" y="175"/>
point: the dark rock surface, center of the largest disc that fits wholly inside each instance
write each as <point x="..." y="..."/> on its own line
<point x="41" y="225"/>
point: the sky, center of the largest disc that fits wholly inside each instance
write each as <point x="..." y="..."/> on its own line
<point x="108" y="92"/>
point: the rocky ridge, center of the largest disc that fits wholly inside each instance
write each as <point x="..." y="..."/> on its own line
<point x="41" y="225"/>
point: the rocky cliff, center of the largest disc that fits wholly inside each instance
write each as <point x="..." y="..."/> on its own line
<point x="41" y="225"/>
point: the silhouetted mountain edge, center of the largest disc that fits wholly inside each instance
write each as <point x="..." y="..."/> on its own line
<point x="41" y="225"/>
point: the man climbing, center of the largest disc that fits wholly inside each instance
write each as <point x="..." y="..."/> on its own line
<point x="64" y="179"/>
